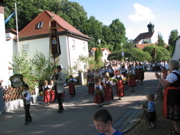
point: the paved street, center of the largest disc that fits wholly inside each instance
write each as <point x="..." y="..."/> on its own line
<point x="77" y="117"/>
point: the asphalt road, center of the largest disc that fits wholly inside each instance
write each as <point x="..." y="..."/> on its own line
<point x="77" y="117"/>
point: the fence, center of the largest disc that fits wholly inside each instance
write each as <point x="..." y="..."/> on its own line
<point x="10" y="99"/>
<point x="13" y="94"/>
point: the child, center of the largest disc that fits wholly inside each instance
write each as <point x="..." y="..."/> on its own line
<point x="119" y="84"/>
<point x="52" y="91"/>
<point x="103" y="123"/>
<point x="151" y="112"/>
<point x="46" y="91"/>
<point x="98" y="97"/>
<point x="72" y="82"/>
<point x="26" y="98"/>
<point x="108" y="93"/>
<point x="90" y="85"/>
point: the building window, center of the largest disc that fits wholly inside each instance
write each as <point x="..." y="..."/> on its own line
<point x="39" y="25"/>
<point x="25" y="48"/>
<point x="73" y="45"/>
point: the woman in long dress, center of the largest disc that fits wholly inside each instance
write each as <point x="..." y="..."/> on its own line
<point x="171" y="102"/>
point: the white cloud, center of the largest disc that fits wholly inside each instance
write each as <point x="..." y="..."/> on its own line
<point x="141" y="13"/>
<point x="130" y="33"/>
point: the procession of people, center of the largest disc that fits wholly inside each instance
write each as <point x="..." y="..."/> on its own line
<point x="114" y="77"/>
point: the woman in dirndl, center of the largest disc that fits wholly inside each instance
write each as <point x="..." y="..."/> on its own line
<point x="46" y="90"/>
<point x="119" y="84"/>
<point x="171" y="101"/>
<point x="131" y="78"/>
<point x="140" y="74"/>
<point x="71" y="83"/>
<point x="98" y="96"/>
<point x="90" y="85"/>
<point x="108" y="93"/>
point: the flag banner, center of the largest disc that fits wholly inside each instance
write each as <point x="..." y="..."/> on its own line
<point x="9" y="17"/>
<point x="54" y="40"/>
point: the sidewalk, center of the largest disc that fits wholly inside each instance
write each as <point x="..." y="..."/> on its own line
<point x="132" y="117"/>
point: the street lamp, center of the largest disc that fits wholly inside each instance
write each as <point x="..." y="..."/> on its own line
<point x="99" y="41"/>
<point x="122" y="53"/>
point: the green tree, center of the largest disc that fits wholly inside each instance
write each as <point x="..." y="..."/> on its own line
<point x="172" y="40"/>
<point x="73" y="13"/>
<point x="160" y="40"/>
<point x="22" y="65"/>
<point x="43" y="67"/>
<point x="132" y="54"/>
<point x="97" y="58"/>
<point x="160" y="52"/>
<point x="93" y="28"/>
<point x="118" y="30"/>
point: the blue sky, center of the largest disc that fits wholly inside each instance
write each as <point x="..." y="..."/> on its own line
<point x="136" y="14"/>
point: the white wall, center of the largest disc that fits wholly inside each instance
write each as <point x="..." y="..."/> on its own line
<point x="69" y="54"/>
<point x="176" y="55"/>
<point x="4" y="52"/>
<point x="76" y="48"/>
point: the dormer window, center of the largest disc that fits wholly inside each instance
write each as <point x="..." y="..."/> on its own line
<point x="39" y="25"/>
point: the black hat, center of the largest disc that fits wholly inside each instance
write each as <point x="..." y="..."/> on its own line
<point x="59" y="67"/>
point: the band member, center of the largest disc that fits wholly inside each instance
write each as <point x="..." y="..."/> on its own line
<point x="26" y="98"/>
<point x="140" y="76"/>
<point x="46" y="91"/>
<point x="60" y="79"/>
<point x="98" y="97"/>
<point x="123" y="71"/>
<point x="119" y="84"/>
<point x="90" y="85"/>
<point x="71" y="83"/>
<point x="108" y="93"/>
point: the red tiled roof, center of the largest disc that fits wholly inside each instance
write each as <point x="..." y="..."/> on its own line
<point x="94" y="49"/>
<point x="142" y="36"/>
<point x="141" y="46"/>
<point x="46" y="17"/>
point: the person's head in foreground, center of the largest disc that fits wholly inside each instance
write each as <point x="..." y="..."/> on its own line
<point x="103" y="123"/>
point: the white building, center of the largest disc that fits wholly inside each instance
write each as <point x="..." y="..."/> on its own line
<point x="176" y="55"/>
<point x="4" y="49"/>
<point x="105" y="53"/>
<point x="35" y="37"/>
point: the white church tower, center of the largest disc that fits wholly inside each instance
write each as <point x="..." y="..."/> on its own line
<point x="3" y="49"/>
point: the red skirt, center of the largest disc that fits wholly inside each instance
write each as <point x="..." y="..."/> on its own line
<point x="120" y="88"/>
<point x="71" y="89"/>
<point x="140" y="75"/>
<point x="47" y="96"/>
<point x="98" y="98"/>
<point x="131" y="81"/>
<point x="108" y="93"/>
<point x="52" y="95"/>
<point x="171" y="103"/>
<point x="91" y="89"/>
